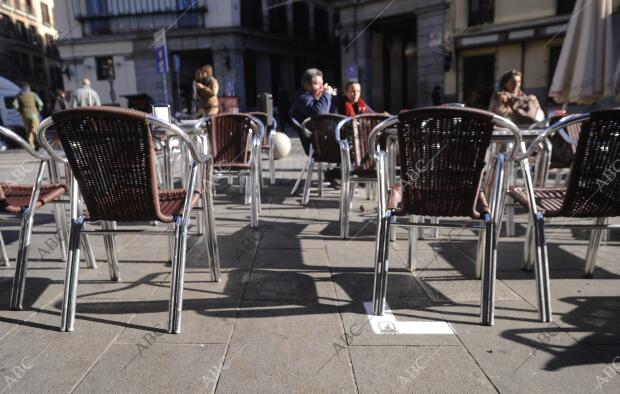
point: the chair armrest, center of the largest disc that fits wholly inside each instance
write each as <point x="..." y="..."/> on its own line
<point x="11" y="135"/>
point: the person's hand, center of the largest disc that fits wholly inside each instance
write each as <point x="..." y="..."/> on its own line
<point x="328" y="89"/>
<point x="199" y="85"/>
<point x="503" y="98"/>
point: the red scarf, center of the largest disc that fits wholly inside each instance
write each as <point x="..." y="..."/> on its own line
<point x="350" y="108"/>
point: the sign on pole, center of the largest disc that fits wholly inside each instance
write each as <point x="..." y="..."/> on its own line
<point x="161" y="58"/>
<point x="161" y="51"/>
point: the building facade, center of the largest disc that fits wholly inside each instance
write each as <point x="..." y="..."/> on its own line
<point x="27" y="51"/>
<point x="392" y="47"/>
<point x="255" y="46"/>
<point x="491" y="37"/>
<point x="401" y="50"/>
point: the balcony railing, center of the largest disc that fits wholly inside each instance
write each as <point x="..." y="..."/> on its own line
<point x="92" y="9"/>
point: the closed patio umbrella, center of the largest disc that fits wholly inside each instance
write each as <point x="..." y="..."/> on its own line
<point x="585" y="70"/>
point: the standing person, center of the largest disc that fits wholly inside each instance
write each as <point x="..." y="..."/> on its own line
<point x="85" y="96"/>
<point x="29" y="104"/>
<point x="351" y="103"/>
<point x="60" y="103"/>
<point x="206" y="89"/>
<point x="314" y="98"/>
<point x="511" y="102"/>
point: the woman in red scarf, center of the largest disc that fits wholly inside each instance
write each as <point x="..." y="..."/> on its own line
<point x="353" y="104"/>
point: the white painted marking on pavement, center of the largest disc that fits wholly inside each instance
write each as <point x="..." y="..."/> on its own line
<point x="388" y="325"/>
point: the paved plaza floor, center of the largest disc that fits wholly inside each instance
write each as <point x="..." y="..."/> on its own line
<point x="290" y="314"/>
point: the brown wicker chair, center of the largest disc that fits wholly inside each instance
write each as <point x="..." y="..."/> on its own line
<point x="357" y="165"/>
<point x="324" y="149"/>
<point x="269" y="123"/>
<point x="235" y="141"/>
<point x="593" y="191"/>
<point x="442" y="158"/>
<point x="110" y="151"/>
<point x="24" y="200"/>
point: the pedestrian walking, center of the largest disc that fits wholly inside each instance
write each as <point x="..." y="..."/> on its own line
<point x="29" y="105"/>
<point x="206" y="89"/>
<point x="85" y="96"/>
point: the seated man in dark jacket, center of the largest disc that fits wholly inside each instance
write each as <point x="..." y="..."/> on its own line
<point x="314" y="98"/>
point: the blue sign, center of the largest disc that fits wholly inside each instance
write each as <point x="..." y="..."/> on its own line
<point x="161" y="51"/>
<point x="176" y="61"/>
<point x="161" y="60"/>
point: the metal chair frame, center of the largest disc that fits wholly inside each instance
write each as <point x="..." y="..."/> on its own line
<point x="251" y="177"/>
<point x="349" y="180"/>
<point x="27" y="222"/>
<point x="535" y="247"/>
<point x="269" y="146"/>
<point x="487" y="226"/>
<point x="181" y="224"/>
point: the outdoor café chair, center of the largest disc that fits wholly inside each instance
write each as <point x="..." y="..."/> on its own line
<point x="111" y="154"/>
<point x="592" y="191"/>
<point x="324" y="149"/>
<point x="270" y="123"/>
<point x="235" y="141"/>
<point x="452" y="144"/>
<point x="357" y="166"/>
<point x="24" y="200"/>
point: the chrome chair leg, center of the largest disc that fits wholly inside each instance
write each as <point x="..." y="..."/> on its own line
<point x="176" y="285"/>
<point x="381" y="268"/>
<point x="71" y="278"/>
<point x="272" y="163"/>
<point x="379" y="240"/>
<point x="480" y="254"/>
<point x="542" y="271"/>
<point x="489" y="271"/>
<point x="211" y="238"/>
<point x="61" y="228"/>
<point x="89" y="254"/>
<point x="247" y="187"/>
<point x="4" y="259"/>
<point x="257" y="192"/>
<point x="21" y="264"/>
<point x="301" y="175"/>
<point x="510" y="209"/>
<point x="345" y="205"/>
<point x="252" y="186"/>
<point x="110" y="251"/>
<point x="529" y="248"/>
<point x="413" y="244"/>
<point x="435" y="220"/>
<point x="595" y="241"/>
<point x="308" y="184"/>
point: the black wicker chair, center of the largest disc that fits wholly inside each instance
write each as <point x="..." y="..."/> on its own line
<point x="112" y="158"/>
<point x="593" y="191"/>
<point x="324" y="149"/>
<point x="442" y="158"/>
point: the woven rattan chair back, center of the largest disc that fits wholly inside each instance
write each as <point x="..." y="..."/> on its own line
<point x="442" y="156"/>
<point x="110" y="152"/>
<point x="594" y="183"/>
<point x="358" y="132"/>
<point x="326" y="147"/>
<point x="228" y="135"/>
